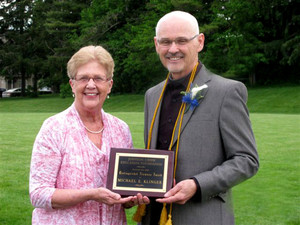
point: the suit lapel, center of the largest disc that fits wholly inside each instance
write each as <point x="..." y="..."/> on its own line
<point x="156" y="95"/>
<point x="201" y="78"/>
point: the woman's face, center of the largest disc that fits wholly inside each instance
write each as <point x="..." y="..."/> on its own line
<point x="91" y="86"/>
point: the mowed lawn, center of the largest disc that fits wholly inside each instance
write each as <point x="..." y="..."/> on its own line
<point x="271" y="197"/>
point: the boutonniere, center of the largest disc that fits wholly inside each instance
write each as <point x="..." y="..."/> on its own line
<point x="192" y="97"/>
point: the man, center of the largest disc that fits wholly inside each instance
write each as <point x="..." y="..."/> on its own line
<point x="215" y="147"/>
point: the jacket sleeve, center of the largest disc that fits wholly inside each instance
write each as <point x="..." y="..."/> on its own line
<point x="45" y="164"/>
<point x="241" y="158"/>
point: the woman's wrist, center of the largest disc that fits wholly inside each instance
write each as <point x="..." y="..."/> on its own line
<point x="93" y="194"/>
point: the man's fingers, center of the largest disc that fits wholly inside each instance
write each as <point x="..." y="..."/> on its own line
<point x="180" y="193"/>
<point x="172" y="192"/>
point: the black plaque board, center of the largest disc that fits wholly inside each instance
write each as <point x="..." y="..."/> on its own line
<point x="132" y="171"/>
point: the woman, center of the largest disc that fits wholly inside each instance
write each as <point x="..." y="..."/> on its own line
<point x="71" y="152"/>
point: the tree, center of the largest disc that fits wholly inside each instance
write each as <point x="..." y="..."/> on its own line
<point x="61" y="24"/>
<point x="36" y="39"/>
<point x="255" y="39"/>
<point x="15" y="22"/>
<point x="126" y="29"/>
<point x="109" y="24"/>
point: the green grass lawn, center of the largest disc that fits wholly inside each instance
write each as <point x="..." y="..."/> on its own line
<point x="271" y="197"/>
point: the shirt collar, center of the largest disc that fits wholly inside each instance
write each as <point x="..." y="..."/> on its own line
<point x="183" y="82"/>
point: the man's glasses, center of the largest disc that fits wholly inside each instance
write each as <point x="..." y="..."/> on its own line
<point x="96" y="79"/>
<point x="180" y="41"/>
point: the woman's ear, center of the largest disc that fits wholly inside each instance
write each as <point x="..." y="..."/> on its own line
<point x="111" y="82"/>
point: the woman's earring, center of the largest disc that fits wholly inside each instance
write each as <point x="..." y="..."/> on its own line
<point x="107" y="96"/>
<point x="73" y="95"/>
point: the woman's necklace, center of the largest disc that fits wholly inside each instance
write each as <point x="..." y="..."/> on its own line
<point x="94" y="132"/>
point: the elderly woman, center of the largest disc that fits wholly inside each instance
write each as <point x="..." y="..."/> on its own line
<point x="71" y="152"/>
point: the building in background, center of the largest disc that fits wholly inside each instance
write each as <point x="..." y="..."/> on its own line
<point x="14" y="83"/>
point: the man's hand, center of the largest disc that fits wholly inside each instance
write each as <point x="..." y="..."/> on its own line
<point x="180" y="193"/>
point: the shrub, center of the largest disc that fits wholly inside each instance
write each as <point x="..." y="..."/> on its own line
<point x="65" y="90"/>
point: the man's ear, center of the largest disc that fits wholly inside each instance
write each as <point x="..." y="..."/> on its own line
<point x="156" y="44"/>
<point x="201" y="40"/>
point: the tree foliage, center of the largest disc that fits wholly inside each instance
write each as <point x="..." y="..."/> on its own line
<point x="35" y="39"/>
<point x="14" y="25"/>
<point x="57" y="22"/>
<point x="255" y="40"/>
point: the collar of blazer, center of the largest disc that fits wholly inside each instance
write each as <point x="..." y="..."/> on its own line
<point x="201" y="78"/>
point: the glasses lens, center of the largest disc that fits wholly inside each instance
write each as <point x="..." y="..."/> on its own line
<point x="82" y="79"/>
<point x="178" y="41"/>
<point x="181" y="41"/>
<point x="165" y="42"/>
<point x="99" y="79"/>
<point x="86" y="79"/>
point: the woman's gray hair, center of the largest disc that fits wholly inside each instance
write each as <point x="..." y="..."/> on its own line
<point x="88" y="53"/>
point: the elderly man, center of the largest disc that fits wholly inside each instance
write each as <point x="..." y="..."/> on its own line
<point x="204" y="119"/>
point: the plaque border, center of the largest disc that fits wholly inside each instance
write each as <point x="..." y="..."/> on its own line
<point x="115" y="153"/>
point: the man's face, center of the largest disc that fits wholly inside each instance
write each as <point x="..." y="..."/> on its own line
<point x="177" y="52"/>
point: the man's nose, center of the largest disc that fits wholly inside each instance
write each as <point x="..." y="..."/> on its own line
<point x="173" y="47"/>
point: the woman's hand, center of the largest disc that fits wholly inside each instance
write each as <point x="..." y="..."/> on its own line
<point x="139" y="199"/>
<point x="108" y="197"/>
<point x="64" y="198"/>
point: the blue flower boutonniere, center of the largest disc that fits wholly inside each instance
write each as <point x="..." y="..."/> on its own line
<point x="192" y="98"/>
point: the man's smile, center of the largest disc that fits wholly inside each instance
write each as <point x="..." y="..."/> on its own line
<point x="175" y="57"/>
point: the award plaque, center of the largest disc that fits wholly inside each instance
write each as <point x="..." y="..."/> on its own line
<point x="132" y="171"/>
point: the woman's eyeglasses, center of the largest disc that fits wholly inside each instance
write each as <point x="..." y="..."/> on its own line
<point x="96" y="79"/>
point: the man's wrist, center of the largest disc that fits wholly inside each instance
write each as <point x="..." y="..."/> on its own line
<point x="197" y="195"/>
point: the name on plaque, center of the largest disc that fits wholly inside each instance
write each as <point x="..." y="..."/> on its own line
<point x="133" y="171"/>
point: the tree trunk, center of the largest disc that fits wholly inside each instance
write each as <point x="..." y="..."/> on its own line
<point x="252" y="79"/>
<point x="23" y="79"/>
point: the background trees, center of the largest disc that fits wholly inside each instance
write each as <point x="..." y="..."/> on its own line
<point x="15" y="20"/>
<point x="256" y="41"/>
<point x="35" y="38"/>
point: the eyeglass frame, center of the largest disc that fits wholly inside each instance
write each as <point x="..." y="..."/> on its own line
<point x="176" y="40"/>
<point x="97" y="79"/>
